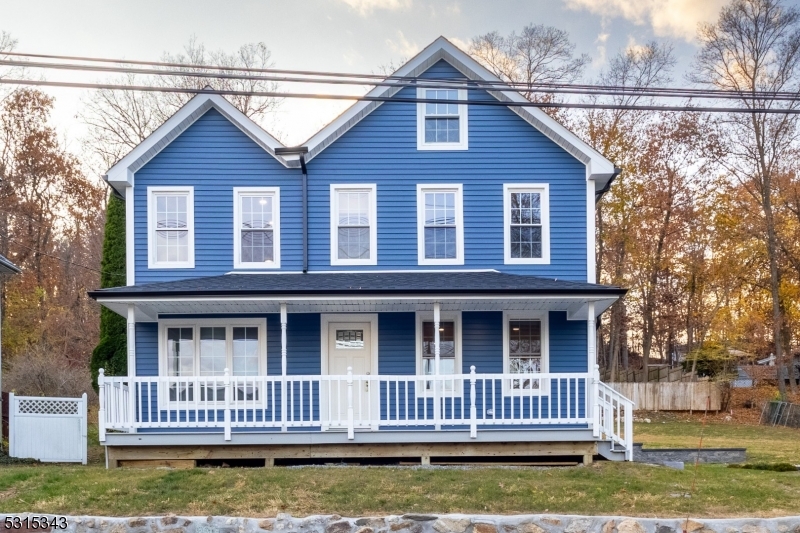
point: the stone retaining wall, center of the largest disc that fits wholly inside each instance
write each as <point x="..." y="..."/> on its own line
<point x="687" y="455"/>
<point x="423" y="523"/>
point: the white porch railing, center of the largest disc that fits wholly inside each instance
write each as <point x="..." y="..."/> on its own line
<point x="614" y="418"/>
<point x="358" y="402"/>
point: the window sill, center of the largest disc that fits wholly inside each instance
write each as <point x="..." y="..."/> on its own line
<point x="443" y="146"/>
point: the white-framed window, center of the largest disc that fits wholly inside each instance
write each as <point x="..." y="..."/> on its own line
<point x="256" y="227"/>
<point x="440" y="224"/>
<point x="442" y="126"/>
<point x="354" y="224"/>
<point x="526" y="351"/>
<point x="170" y="227"/>
<point x="449" y="350"/>
<point x="526" y="223"/>
<point x="198" y="351"/>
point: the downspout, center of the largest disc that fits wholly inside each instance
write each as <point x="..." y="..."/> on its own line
<point x="599" y="194"/>
<point x="301" y="151"/>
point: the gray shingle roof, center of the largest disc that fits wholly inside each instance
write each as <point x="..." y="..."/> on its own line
<point x="375" y="283"/>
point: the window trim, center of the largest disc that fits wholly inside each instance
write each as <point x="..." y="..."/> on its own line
<point x="463" y="125"/>
<point x="445" y="316"/>
<point x="152" y="192"/>
<point x="543" y="317"/>
<point x="196" y="324"/>
<point x="544" y="190"/>
<point x="423" y="188"/>
<point x="372" y="189"/>
<point x="239" y="192"/>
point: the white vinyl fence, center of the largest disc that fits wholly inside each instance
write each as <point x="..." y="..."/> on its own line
<point x="48" y="429"/>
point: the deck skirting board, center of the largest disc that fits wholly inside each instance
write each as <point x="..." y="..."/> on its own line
<point x="127" y="455"/>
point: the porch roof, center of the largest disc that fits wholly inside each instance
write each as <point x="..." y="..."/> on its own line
<point x="364" y="283"/>
<point x="367" y="292"/>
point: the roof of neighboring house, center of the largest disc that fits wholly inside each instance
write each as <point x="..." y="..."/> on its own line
<point x="373" y="283"/>
<point x="120" y="176"/>
<point x="7" y="267"/>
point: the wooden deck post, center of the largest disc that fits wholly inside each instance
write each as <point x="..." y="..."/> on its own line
<point x="283" y="367"/>
<point x="350" y="426"/>
<point x="437" y="408"/>
<point x="101" y="413"/>
<point x="227" y="405"/>
<point x="473" y="411"/>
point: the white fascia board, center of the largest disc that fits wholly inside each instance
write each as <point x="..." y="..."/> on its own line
<point x="120" y="176"/>
<point x="599" y="168"/>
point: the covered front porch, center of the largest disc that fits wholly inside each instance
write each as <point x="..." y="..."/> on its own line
<point x="361" y="364"/>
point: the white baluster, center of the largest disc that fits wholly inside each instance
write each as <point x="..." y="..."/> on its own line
<point x="350" y="426"/>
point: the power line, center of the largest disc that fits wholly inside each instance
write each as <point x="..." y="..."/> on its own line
<point x="318" y="96"/>
<point x="401" y="81"/>
<point x="34" y="250"/>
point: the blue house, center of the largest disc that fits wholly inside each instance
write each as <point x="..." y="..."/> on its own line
<point x="416" y="281"/>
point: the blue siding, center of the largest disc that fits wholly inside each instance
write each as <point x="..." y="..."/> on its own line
<point x="214" y="156"/>
<point x="503" y="148"/>
<point x="482" y="342"/>
<point x="146" y="348"/>
<point x="396" y="344"/>
<point x="568" y="345"/>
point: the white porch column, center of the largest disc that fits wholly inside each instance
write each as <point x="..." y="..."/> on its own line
<point x="284" y="396"/>
<point x="592" y="368"/>
<point x="131" y="341"/>
<point x="592" y="338"/>
<point x="436" y="405"/>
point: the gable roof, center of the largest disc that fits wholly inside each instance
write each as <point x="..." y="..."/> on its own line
<point x="598" y="167"/>
<point x="121" y="174"/>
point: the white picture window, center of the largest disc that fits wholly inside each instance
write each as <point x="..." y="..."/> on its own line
<point x="526" y="216"/>
<point x="449" y="350"/>
<point x="525" y="351"/>
<point x="442" y="126"/>
<point x="440" y="225"/>
<point x="200" y="351"/>
<point x="354" y="228"/>
<point x="170" y="227"/>
<point x="256" y="227"/>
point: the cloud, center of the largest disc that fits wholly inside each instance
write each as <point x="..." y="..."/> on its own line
<point x="402" y="46"/>
<point x="461" y="43"/>
<point x="673" y="18"/>
<point x="365" y="7"/>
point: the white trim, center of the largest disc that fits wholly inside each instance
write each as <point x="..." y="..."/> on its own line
<point x="544" y="190"/>
<point x="591" y="231"/>
<point x="130" y="242"/>
<point x="188" y="191"/>
<point x="444" y="316"/>
<point x="463" y="124"/>
<point x="423" y="188"/>
<point x="544" y="318"/>
<point x="372" y="189"/>
<point x="121" y="175"/>
<point x="238" y="193"/>
<point x="597" y="166"/>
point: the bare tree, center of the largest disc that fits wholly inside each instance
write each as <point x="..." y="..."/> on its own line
<point x="119" y="120"/>
<point x="755" y="46"/>
<point x="539" y="54"/>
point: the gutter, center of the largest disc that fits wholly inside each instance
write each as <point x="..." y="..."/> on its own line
<point x="599" y="194"/>
<point x="301" y="151"/>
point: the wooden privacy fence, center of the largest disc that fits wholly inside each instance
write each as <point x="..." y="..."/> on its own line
<point x="674" y="396"/>
<point x="657" y="374"/>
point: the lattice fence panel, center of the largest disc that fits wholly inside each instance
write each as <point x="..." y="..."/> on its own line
<point x="45" y="406"/>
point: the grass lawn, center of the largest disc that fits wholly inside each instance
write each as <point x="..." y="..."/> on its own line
<point x="603" y="488"/>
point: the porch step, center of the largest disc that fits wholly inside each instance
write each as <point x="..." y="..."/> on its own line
<point x="604" y="449"/>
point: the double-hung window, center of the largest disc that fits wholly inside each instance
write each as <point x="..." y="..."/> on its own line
<point x="442" y="125"/>
<point x="525" y="350"/>
<point x="354" y="226"/>
<point x="449" y="349"/>
<point x="526" y="223"/>
<point x="256" y="227"/>
<point x="440" y="225"/>
<point x="170" y="227"/>
<point x="197" y="354"/>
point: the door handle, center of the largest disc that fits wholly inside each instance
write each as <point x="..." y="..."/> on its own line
<point x="366" y="384"/>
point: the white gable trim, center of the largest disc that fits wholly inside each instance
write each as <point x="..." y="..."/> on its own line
<point x="599" y="168"/>
<point x="120" y="176"/>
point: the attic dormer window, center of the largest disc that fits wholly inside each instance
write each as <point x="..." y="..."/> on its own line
<point x="441" y="125"/>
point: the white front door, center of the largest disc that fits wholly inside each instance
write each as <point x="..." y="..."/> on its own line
<point x="349" y="345"/>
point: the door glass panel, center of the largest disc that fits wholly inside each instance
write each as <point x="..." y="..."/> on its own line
<point x="349" y="339"/>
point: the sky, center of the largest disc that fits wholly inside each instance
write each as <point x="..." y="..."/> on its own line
<point x="331" y="35"/>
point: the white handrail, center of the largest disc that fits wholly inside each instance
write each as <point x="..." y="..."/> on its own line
<point x="615" y="418"/>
